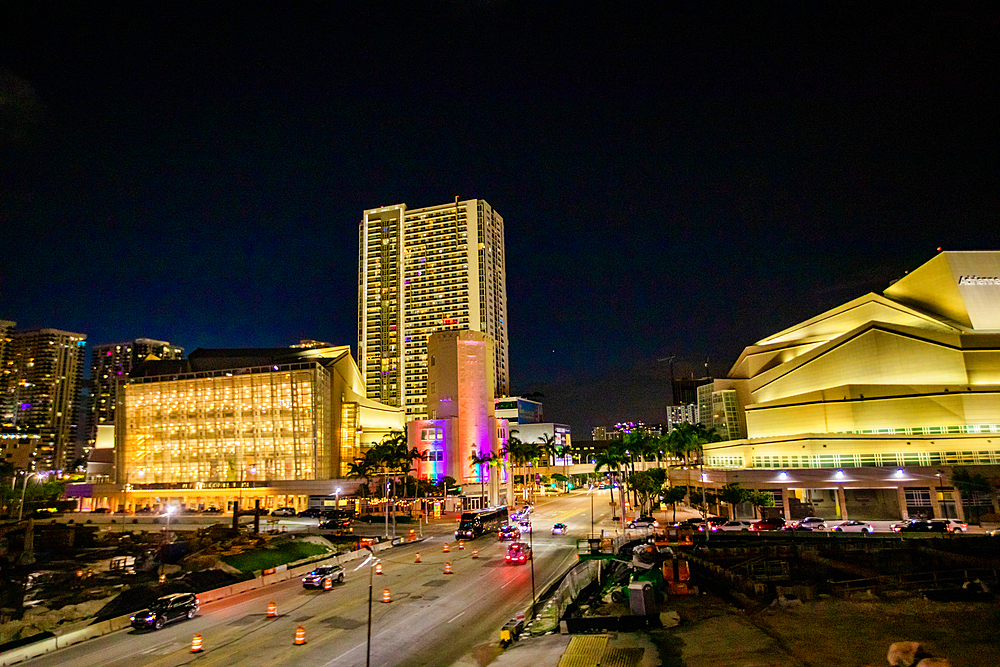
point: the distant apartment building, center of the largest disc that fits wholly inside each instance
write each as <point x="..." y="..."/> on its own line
<point x="685" y="390"/>
<point x="680" y="414"/>
<point x="110" y="365"/>
<point x="720" y="408"/>
<point x="421" y="271"/>
<point x="6" y="373"/>
<point x="518" y="410"/>
<point x="43" y="370"/>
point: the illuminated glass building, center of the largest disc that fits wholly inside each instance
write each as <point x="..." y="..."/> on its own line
<point x="421" y="271"/>
<point x="263" y="419"/>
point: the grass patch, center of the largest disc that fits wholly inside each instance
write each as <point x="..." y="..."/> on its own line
<point x="262" y="559"/>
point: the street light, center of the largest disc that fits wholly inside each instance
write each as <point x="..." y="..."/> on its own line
<point x="370" y="561"/>
<point x="20" y="511"/>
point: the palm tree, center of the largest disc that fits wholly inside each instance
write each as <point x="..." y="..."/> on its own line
<point x="612" y="458"/>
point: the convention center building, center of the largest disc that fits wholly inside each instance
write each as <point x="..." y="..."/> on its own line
<point x="869" y="410"/>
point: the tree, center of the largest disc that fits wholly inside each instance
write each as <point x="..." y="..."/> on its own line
<point x="644" y="486"/>
<point x="672" y="495"/>
<point x="733" y="495"/>
<point x="760" y="500"/>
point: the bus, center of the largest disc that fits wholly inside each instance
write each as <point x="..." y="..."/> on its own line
<point x="474" y="524"/>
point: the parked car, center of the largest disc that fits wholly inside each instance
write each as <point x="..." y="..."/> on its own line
<point x="100" y="510"/>
<point x="774" y="523"/>
<point x="213" y="510"/>
<point x="311" y="513"/>
<point x="641" y="522"/>
<point x="508" y="532"/>
<point x="318" y="577"/>
<point x="517" y="553"/>
<point x="166" y="609"/>
<point x="853" y="526"/>
<point x="741" y="526"/>
<point x="284" y="511"/>
<point x="559" y="529"/>
<point x="796" y="526"/>
<point x="144" y="510"/>
<point x="814" y="522"/>
<point x="955" y="525"/>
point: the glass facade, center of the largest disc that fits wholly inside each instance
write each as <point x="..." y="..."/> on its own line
<point x="260" y="424"/>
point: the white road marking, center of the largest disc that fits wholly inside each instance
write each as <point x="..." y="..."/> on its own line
<point x="456" y="617"/>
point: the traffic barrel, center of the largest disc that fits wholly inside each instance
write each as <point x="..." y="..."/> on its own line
<point x="386" y="596"/>
<point x="418" y="558"/>
<point x="378" y="568"/>
<point x="327" y="584"/>
<point x="413" y="535"/>
<point x="196" y="644"/>
<point x="300" y="636"/>
<point x="272" y="610"/>
<point x="446" y="549"/>
<point x="461" y="545"/>
<point x="447" y="568"/>
<point x="475" y="553"/>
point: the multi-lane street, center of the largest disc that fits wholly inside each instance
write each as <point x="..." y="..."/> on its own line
<point x="433" y="618"/>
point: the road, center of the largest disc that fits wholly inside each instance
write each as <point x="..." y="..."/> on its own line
<point x="433" y="618"/>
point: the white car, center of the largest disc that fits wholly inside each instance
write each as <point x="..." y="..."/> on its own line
<point x="559" y="529"/>
<point x="954" y="525"/>
<point x="853" y="526"/>
<point x="524" y="526"/>
<point x="736" y="525"/>
<point x="814" y="522"/>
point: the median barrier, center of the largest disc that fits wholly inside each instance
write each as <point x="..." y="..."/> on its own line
<point x="29" y="651"/>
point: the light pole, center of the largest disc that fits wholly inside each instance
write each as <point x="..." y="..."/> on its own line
<point x="531" y="545"/>
<point x="20" y="511"/>
<point x="371" y="583"/>
<point x="337" y="501"/>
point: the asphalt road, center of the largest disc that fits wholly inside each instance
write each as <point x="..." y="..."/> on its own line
<point x="433" y="619"/>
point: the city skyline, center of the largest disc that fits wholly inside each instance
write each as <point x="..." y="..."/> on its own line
<point x="674" y="181"/>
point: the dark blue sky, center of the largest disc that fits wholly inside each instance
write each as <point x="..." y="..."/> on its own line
<point x="674" y="179"/>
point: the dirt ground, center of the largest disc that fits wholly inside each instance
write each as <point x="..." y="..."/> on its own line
<point x="828" y="633"/>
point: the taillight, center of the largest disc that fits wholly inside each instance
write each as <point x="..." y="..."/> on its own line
<point x="521" y="558"/>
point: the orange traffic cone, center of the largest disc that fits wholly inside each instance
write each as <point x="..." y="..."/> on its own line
<point x="196" y="644"/>
<point x="327" y="585"/>
<point x="461" y="545"/>
<point x="378" y="568"/>
<point x="475" y="553"/>
<point x="386" y="597"/>
<point x="272" y="610"/>
<point x="447" y="568"/>
<point x="446" y="549"/>
<point x="418" y="558"/>
<point x="413" y="535"/>
<point x="300" y="636"/>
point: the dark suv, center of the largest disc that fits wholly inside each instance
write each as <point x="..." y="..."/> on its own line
<point x="165" y="610"/>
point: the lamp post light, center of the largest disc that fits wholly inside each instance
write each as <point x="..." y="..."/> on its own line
<point x="337" y="501"/>
<point x="24" y="487"/>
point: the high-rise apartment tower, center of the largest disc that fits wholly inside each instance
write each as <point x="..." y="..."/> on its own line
<point x="426" y="270"/>
<point x="110" y="364"/>
<point x="46" y="373"/>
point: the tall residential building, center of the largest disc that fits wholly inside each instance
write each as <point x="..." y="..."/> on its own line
<point x="46" y="372"/>
<point x="421" y="271"/>
<point x="6" y="374"/>
<point x="110" y="364"/>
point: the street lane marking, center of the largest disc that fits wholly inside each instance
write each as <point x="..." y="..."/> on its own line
<point x="456" y="617"/>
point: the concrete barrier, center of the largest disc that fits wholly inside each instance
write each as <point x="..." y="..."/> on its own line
<point x="29" y="651"/>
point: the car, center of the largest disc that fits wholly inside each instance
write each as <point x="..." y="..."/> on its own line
<point x="742" y="526"/>
<point x="318" y="577"/>
<point x="166" y="609"/>
<point x="311" y="513"/>
<point x="813" y="522"/>
<point x="508" y="532"/>
<point x="517" y="553"/>
<point x="524" y="526"/>
<point x="853" y="526"/>
<point x="922" y="526"/>
<point x="100" y="510"/>
<point x="559" y="529"/>
<point x="340" y="524"/>
<point x="144" y="510"/>
<point x="213" y="510"/>
<point x="955" y="525"/>
<point x="284" y="511"/>
<point x="641" y="522"/>
<point x="774" y="523"/>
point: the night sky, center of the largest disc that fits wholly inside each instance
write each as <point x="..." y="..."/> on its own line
<point x="675" y="178"/>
